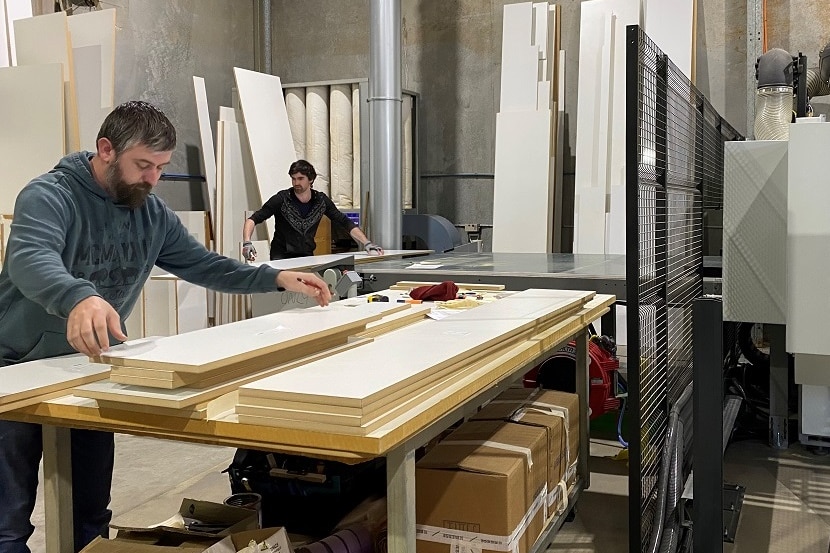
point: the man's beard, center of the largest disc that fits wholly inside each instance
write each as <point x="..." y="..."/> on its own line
<point x="132" y="195"/>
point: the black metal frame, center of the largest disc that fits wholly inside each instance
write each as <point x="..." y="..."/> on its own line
<point x="674" y="171"/>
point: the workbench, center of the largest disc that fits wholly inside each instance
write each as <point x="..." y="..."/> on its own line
<point x="397" y="440"/>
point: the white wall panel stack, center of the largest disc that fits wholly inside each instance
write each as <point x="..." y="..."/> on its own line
<point x="295" y="106"/>
<point x="524" y="132"/>
<point x="755" y="231"/>
<point x="317" y="135"/>
<point x="208" y="150"/>
<point x="341" y="135"/>
<point x="808" y="240"/>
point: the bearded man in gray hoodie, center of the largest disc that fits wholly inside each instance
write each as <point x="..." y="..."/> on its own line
<point x="83" y="241"/>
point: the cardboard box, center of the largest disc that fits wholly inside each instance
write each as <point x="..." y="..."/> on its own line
<point x="119" y="545"/>
<point x="553" y="425"/>
<point x="545" y="399"/>
<point x="276" y="538"/>
<point x="485" y="483"/>
<point x="215" y="520"/>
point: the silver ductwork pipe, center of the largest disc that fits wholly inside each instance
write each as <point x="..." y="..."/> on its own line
<point x="774" y="97"/>
<point x="384" y="202"/>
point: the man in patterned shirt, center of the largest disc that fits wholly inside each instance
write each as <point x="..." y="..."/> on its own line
<point x="297" y="212"/>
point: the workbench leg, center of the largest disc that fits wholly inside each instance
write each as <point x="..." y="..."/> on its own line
<point x="583" y="389"/>
<point x="400" y="499"/>
<point x="57" y="488"/>
<point x="778" y="387"/>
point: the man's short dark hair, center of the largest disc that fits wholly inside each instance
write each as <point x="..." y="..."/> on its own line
<point x="137" y="123"/>
<point x="303" y="167"/>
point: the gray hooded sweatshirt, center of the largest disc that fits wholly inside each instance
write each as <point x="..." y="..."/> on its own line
<point x="70" y="241"/>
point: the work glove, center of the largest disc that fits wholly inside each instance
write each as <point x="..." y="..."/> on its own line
<point x="373" y="249"/>
<point x="248" y="251"/>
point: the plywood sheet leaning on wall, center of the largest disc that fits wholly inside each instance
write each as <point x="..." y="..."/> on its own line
<point x="268" y="131"/>
<point x="92" y="36"/>
<point x="317" y="135"/>
<point x="208" y="151"/>
<point x="45" y="39"/>
<point x="32" y="133"/>
<point x="342" y="157"/>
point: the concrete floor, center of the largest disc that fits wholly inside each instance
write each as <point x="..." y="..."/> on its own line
<point x="787" y="507"/>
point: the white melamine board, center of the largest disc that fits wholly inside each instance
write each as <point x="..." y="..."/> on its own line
<point x="342" y="158"/>
<point x="15" y="9"/>
<point x="592" y="124"/>
<point x="159" y="307"/>
<point x="88" y="78"/>
<point x="626" y="12"/>
<point x="191" y="307"/>
<point x="406" y="162"/>
<point x="196" y="224"/>
<point x="295" y="107"/>
<point x="531" y="304"/>
<point x="755" y="231"/>
<point x="389" y="363"/>
<point x="523" y="154"/>
<point x="207" y="150"/>
<point x="97" y="28"/>
<point x="519" y="59"/>
<point x="268" y="131"/>
<point x="5" y="60"/>
<point x="134" y="323"/>
<point x="219" y="346"/>
<point x="615" y="225"/>
<point x="317" y="134"/>
<point x="32" y="133"/>
<point x="183" y="397"/>
<point x="590" y="216"/>
<point x="26" y="380"/>
<point x="236" y="196"/>
<point x="670" y="24"/>
<point x="44" y="40"/>
<point x="356" y="145"/>
<point x="380" y="368"/>
<point x="808" y="239"/>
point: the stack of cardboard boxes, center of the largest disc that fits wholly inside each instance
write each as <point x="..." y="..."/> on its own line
<point x="497" y="481"/>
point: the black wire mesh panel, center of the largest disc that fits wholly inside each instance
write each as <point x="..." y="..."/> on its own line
<point x="674" y="172"/>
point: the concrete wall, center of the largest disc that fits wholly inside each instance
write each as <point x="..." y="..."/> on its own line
<point x="160" y="45"/>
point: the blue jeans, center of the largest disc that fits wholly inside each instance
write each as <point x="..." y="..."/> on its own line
<point x="21" y="448"/>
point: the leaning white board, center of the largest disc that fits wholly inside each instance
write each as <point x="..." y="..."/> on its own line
<point x="208" y="151"/>
<point x="268" y="131"/>
<point x="45" y="39"/>
<point x="525" y="226"/>
<point x="356" y="145"/>
<point x="88" y="77"/>
<point x="32" y="100"/>
<point x="97" y="28"/>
